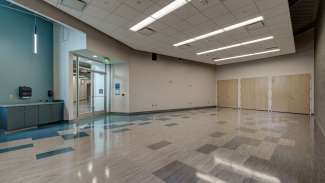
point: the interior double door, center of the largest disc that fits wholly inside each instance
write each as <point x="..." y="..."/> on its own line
<point x="227" y="93"/>
<point x="254" y="93"/>
<point x="291" y="93"/>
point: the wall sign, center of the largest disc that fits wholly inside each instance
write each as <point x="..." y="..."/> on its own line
<point x="117" y="89"/>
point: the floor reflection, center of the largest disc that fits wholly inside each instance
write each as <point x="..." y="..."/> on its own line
<point x="196" y="146"/>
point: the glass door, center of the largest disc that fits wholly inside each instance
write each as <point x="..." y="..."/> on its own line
<point x="99" y="92"/>
<point x="90" y="90"/>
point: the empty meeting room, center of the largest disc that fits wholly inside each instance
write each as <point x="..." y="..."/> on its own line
<point x="162" y="91"/>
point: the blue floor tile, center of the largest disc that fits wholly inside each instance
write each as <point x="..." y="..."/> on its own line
<point x="15" y="148"/>
<point x="54" y="152"/>
<point x="74" y="136"/>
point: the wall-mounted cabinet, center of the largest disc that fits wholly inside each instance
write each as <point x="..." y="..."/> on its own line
<point x="14" y="117"/>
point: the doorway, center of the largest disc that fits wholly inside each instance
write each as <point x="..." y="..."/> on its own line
<point x="89" y="86"/>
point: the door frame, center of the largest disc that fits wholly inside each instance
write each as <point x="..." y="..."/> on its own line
<point x="106" y="73"/>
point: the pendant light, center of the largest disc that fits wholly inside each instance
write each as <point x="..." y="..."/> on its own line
<point x="35" y="37"/>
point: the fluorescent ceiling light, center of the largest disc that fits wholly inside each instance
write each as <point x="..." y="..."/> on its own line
<point x="95" y="56"/>
<point x="236" y="45"/>
<point x="219" y="31"/>
<point x="159" y="14"/>
<point x="248" y="55"/>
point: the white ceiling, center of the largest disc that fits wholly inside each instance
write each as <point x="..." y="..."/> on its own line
<point x="115" y="17"/>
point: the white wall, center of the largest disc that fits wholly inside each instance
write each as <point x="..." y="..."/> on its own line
<point x="169" y="83"/>
<point x="300" y="62"/>
<point x="65" y="40"/>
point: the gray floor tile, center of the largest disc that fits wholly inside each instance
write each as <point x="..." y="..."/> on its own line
<point x="145" y="123"/>
<point x="159" y="145"/>
<point x="217" y="134"/>
<point x="177" y="172"/>
<point x="238" y="140"/>
<point x="171" y="124"/>
<point x="207" y="148"/>
<point x="247" y="130"/>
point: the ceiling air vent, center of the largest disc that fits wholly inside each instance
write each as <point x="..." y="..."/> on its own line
<point x="78" y="5"/>
<point x="255" y="26"/>
<point x="147" y="31"/>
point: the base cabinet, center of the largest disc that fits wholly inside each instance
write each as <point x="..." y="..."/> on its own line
<point x="19" y="117"/>
<point x="15" y="118"/>
<point x="31" y="116"/>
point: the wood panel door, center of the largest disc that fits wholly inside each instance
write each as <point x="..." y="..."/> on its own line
<point x="299" y="96"/>
<point x="254" y="93"/>
<point x="291" y="93"/>
<point x="227" y="93"/>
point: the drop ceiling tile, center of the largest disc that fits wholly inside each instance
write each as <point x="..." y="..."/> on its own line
<point x="224" y="20"/>
<point x="249" y="11"/>
<point x="158" y="26"/>
<point x="162" y="2"/>
<point x="126" y="12"/>
<point x="186" y="11"/>
<point x="267" y="4"/>
<point x="261" y="32"/>
<point x="197" y="19"/>
<point x="108" y="5"/>
<point x="139" y="5"/>
<point x="117" y="21"/>
<point x="115" y="17"/>
<point x="171" y="20"/>
<point x="215" y="11"/>
<point x="201" y="5"/>
<point x="93" y="11"/>
<point x="234" y="4"/>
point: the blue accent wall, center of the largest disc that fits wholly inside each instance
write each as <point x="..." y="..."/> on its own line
<point x="18" y="65"/>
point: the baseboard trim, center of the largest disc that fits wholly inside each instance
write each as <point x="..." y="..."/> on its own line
<point x="160" y="111"/>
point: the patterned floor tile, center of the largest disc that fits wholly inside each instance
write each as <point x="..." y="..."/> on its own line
<point x="159" y="145"/>
<point x="177" y="172"/>
<point x="207" y="148"/>
<point x="171" y="124"/>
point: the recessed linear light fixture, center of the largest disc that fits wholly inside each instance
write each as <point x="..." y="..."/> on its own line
<point x="219" y="31"/>
<point x="248" y="55"/>
<point x="95" y="56"/>
<point x="236" y="45"/>
<point x="159" y="14"/>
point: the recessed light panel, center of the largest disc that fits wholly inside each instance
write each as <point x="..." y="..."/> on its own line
<point x="248" y="55"/>
<point x="219" y="31"/>
<point x="159" y="14"/>
<point x="236" y="45"/>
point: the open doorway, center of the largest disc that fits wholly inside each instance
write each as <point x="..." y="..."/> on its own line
<point x="89" y="87"/>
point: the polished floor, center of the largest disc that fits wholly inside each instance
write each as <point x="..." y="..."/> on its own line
<point x="197" y="146"/>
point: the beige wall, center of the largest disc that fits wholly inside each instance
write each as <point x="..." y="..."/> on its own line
<point x="300" y="62"/>
<point x="169" y="83"/>
<point x="165" y="84"/>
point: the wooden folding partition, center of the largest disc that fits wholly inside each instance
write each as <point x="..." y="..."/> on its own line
<point x="254" y="93"/>
<point x="227" y="93"/>
<point x="291" y="93"/>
